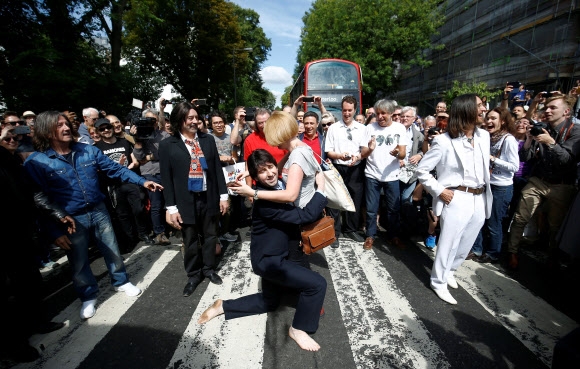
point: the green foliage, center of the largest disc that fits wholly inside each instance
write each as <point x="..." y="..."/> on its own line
<point x="461" y="88"/>
<point x="382" y="36"/>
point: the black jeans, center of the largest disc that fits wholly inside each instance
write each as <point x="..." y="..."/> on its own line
<point x="353" y="178"/>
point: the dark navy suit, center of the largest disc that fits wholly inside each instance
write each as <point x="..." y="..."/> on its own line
<point x="275" y="227"/>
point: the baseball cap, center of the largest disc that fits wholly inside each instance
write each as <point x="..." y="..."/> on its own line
<point x="102" y="122"/>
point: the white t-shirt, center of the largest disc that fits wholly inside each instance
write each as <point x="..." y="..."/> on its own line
<point x="381" y="165"/>
<point x="341" y="138"/>
<point x="303" y="156"/>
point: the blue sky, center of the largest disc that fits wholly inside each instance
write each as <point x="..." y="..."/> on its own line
<point x="281" y="20"/>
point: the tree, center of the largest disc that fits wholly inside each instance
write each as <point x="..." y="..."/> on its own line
<point x="461" y="88"/>
<point x="382" y="36"/>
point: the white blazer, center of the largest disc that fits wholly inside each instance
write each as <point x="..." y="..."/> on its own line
<point x="444" y="155"/>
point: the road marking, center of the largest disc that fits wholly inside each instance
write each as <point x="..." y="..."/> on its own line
<point x="537" y="324"/>
<point x="382" y="327"/>
<point x="237" y="343"/>
<point x="69" y="346"/>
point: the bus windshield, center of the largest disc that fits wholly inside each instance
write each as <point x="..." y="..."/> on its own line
<point x="331" y="75"/>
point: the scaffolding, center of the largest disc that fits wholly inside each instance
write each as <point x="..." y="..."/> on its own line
<point x="536" y="42"/>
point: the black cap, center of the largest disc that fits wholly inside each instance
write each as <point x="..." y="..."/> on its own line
<point x="102" y="122"/>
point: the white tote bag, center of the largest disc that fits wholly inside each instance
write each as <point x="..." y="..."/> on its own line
<point x="336" y="192"/>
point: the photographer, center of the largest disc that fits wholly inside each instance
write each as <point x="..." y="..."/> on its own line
<point x="146" y="152"/>
<point x="554" y="148"/>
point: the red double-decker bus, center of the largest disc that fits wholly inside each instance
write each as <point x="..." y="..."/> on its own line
<point x="331" y="79"/>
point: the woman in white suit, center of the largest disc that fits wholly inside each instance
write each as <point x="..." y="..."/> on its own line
<point x="461" y="192"/>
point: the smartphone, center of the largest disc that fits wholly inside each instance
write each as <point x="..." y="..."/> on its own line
<point x="21" y="130"/>
<point x="308" y="99"/>
<point x="546" y="94"/>
<point x="515" y="84"/>
<point x="201" y="102"/>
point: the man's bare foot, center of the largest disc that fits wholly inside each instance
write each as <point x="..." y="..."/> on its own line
<point x="211" y="312"/>
<point x="303" y="340"/>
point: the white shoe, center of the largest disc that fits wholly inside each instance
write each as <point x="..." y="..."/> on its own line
<point x="88" y="309"/>
<point x="130" y="289"/>
<point x="451" y="282"/>
<point x="445" y="296"/>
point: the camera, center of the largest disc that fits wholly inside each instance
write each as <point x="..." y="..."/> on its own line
<point x="537" y="128"/>
<point x="250" y="114"/>
<point x="200" y="102"/>
<point x="433" y="130"/>
<point x="145" y="127"/>
<point x="308" y="99"/>
<point x="547" y="94"/>
<point x="21" y="130"/>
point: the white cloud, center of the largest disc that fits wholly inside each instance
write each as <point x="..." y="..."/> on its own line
<point x="276" y="75"/>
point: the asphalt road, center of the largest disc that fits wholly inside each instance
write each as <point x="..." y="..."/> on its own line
<point x="379" y="313"/>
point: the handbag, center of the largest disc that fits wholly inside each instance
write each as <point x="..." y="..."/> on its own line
<point x="335" y="190"/>
<point x="318" y="235"/>
<point x="231" y="171"/>
<point x="407" y="173"/>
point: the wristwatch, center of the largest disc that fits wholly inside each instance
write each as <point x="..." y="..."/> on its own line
<point x="255" y="195"/>
<point x="551" y="146"/>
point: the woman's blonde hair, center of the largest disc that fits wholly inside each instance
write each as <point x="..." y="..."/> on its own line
<point x="280" y="127"/>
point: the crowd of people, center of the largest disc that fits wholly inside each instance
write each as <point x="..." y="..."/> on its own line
<point x="465" y="180"/>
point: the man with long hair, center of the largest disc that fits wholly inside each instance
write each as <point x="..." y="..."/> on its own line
<point x="461" y="192"/>
<point x="67" y="173"/>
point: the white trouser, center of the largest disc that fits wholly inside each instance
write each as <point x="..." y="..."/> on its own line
<point x="461" y="221"/>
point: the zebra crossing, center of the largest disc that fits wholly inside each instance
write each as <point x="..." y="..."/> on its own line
<point x="380" y="313"/>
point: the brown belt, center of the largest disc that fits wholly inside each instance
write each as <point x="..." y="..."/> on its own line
<point x="475" y="191"/>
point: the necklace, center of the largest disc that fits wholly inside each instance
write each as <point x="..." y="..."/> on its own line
<point x="470" y="140"/>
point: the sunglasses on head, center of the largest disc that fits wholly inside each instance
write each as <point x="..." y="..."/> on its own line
<point x="105" y="128"/>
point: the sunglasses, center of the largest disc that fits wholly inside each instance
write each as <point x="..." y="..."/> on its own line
<point x="348" y="134"/>
<point x="105" y="128"/>
<point x="396" y="115"/>
<point x="325" y="124"/>
<point x="8" y="139"/>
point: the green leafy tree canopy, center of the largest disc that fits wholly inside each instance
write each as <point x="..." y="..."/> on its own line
<point x="460" y="88"/>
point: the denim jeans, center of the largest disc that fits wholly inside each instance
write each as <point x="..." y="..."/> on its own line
<point x="502" y="195"/>
<point x="392" y="195"/>
<point x="94" y="226"/>
<point x="407" y="191"/>
<point x="157" y="205"/>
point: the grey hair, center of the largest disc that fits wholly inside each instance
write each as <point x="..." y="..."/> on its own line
<point x="262" y="111"/>
<point x="327" y="117"/>
<point x="87" y="111"/>
<point x="385" y="105"/>
<point x="429" y="117"/>
<point x="409" y="108"/>
<point x="153" y="111"/>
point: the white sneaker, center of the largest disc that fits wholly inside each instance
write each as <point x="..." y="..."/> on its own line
<point x="130" y="289"/>
<point x="451" y="282"/>
<point x="445" y="296"/>
<point x="88" y="309"/>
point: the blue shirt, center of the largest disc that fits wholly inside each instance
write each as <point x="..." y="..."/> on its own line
<point x="75" y="187"/>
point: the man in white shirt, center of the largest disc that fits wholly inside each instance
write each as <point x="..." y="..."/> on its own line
<point x="343" y="144"/>
<point x="387" y="146"/>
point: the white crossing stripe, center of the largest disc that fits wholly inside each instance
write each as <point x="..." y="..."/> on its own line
<point x="382" y="327"/>
<point x="69" y="346"/>
<point x="236" y="343"/>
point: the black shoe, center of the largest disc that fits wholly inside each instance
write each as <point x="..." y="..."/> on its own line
<point x="335" y="244"/>
<point x="354" y="236"/>
<point x="47" y="327"/>
<point x="215" y="278"/>
<point x="485" y="259"/>
<point x="146" y="239"/>
<point x="472" y="256"/>
<point x="190" y="287"/>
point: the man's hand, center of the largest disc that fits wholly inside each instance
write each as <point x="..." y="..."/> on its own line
<point x="63" y="242"/>
<point x="401" y="163"/>
<point x="224" y="205"/>
<point x="372" y="143"/>
<point x="545" y="138"/>
<point x="70" y="222"/>
<point x="415" y="159"/>
<point x="175" y="220"/>
<point x="226" y="158"/>
<point x="122" y="160"/>
<point x="446" y="196"/>
<point x="354" y="159"/>
<point x="395" y="152"/>
<point x="153" y="186"/>
<point x="242" y="176"/>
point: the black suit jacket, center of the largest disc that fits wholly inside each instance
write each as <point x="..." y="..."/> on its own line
<point x="275" y="224"/>
<point x="175" y="160"/>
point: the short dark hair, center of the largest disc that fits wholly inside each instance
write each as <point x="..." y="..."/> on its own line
<point x="311" y="114"/>
<point x="179" y="115"/>
<point x="217" y="113"/>
<point x="258" y="158"/>
<point x="349" y="99"/>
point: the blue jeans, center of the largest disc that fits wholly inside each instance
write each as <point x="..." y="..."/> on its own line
<point x="407" y="191"/>
<point x="94" y="226"/>
<point x="502" y="195"/>
<point x="373" y="195"/>
<point x="157" y="205"/>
